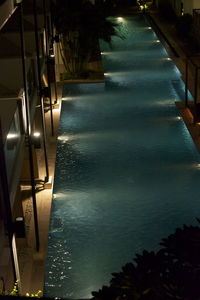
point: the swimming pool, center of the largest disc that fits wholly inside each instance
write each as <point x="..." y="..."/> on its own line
<point x="127" y="171"/>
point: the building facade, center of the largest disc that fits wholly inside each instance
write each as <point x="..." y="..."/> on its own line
<point x="181" y="6"/>
<point x="27" y="92"/>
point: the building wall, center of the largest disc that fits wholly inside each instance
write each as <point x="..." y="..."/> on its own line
<point x="188" y="5"/>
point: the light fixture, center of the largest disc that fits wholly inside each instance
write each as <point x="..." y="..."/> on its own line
<point x="11" y="136"/>
<point x="36" y="140"/>
<point x="36" y="134"/>
<point x="12" y="139"/>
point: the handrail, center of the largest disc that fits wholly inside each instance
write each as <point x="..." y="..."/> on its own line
<point x="151" y="19"/>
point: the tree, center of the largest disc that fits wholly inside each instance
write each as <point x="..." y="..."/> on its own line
<point x="171" y="273"/>
<point x="80" y="24"/>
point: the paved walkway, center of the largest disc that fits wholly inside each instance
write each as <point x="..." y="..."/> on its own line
<point x="178" y="51"/>
<point x="32" y="263"/>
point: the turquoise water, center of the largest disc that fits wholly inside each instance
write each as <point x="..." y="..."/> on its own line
<point x="127" y="171"/>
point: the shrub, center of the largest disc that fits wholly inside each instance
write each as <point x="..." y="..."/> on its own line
<point x="171" y="273"/>
<point x="167" y="11"/>
<point x="184" y="25"/>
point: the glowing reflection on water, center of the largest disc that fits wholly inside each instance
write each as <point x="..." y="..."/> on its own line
<point x="126" y="166"/>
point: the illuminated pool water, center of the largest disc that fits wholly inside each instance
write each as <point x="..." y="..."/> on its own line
<point x="127" y="171"/>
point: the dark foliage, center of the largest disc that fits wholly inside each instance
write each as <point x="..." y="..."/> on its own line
<point x="184" y="25"/>
<point x="80" y="24"/>
<point x="167" y="11"/>
<point x="171" y="273"/>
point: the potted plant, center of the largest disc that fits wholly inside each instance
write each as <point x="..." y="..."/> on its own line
<point x="80" y="24"/>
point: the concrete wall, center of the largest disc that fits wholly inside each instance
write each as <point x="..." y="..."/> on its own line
<point x="196" y="4"/>
<point x="188" y="5"/>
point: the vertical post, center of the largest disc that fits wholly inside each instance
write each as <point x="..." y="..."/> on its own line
<point x="40" y="91"/>
<point x="195" y="94"/>
<point x="55" y="87"/>
<point x="4" y="193"/>
<point x="52" y="45"/>
<point x="28" y="129"/>
<point x="55" y="84"/>
<point x="196" y="85"/>
<point x="186" y="82"/>
<point x="50" y="96"/>
<point x="48" y="67"/>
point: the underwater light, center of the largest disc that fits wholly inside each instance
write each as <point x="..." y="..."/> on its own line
<point x="63" y="138"/>
<point x="120" y="19"/>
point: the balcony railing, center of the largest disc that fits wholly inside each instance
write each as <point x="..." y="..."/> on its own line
<point x="7" y="8"/>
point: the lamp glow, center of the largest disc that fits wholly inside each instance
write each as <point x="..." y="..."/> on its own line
<point x="11" y="136"/>
<point x="36" y="134"/>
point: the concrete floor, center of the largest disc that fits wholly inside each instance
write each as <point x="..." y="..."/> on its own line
<point x="31" y="262"/>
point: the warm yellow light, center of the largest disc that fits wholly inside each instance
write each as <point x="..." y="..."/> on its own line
<point x="36" y="134"/>
<point x="120" y="19"/>
<point x="63" y="138"/>
<point x="11" y="136"/>
<point x="142" y="7"/>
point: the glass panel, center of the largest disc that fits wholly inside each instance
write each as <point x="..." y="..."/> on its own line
<point x="12" y="143"/>
<point x="6" y="270"/>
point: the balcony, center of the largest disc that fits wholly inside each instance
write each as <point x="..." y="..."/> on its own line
<point x="13" y="139"/>
<point x="7" y="8"/>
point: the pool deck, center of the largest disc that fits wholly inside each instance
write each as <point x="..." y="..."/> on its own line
<point x="32" y="263"/>
<point x="182" y="50"/>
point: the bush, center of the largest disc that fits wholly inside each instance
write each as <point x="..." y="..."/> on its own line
<point x="184" y="25"/>
<point x="171" y="273"/>
<point x="167" y="11"/>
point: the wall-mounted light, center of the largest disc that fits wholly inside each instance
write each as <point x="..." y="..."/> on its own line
<point x="51" y="53"/>
<point x="36" y="140"/>
<point x="19" y="227"/>
<point x="11" y="136"/>
<point x="12" y="139"/>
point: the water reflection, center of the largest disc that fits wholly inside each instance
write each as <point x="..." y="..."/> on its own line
<point x="126" y="166"/>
